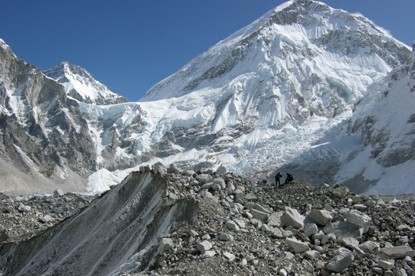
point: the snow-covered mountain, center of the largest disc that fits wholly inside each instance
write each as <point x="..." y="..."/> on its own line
<point x="386" y="122"/>
<point x="276" y="95"/>
<point x="80" y="85"/>
<point x="44" y="139"/>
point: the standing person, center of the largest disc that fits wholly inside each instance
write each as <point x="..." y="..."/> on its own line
<point x="289" y="179"/>
<point x="277" y="180"/>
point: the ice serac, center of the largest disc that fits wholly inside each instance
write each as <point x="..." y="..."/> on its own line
<point x="115" y="234"/>
<point x="80" y="85"/>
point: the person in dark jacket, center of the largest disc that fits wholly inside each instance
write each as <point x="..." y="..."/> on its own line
<point x="289" y="179"/>
<point x="277" y="180"/>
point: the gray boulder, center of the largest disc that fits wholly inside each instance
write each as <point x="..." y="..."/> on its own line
<point x="166" y="244"/>
<point x="342" y="260"/>
<point x="320" y="217"/>
<point x="259" y="215"/>
<point x="296" y="245"/>
<point x="291" y="217"/>
<point x="369" y="246"/>
<point x="204" y="246"/>
<point x="360" y="219"/>
<point x="343" y="229"/>
<point x="341" y="192"/>
<point x="310" y="229"/>
<point x="398" y="252"/>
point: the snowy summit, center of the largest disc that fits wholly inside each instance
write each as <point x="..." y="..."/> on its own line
<point x="285" y="93"/>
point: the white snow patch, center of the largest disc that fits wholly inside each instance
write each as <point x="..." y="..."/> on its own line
<point x="101" y="181"/>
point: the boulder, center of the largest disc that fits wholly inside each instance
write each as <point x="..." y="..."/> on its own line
<point x="231" y="225"/>
<point x="251" y="197"/>
<point x="229" y="256"/>
<point x="360" y="219"/>
<point x="291" y="217"/>
<point x="24" y="208"/>
<point x="166" y="244"/>
<point x="209" y="254"/>
<point x="276" y="233"/>
<point x="203" y="178"/>
<point x="386" y="264"/>
<point x="205" y="194"/>
<point x="369" y="246"/>
<point x="340" y="192"/>
<point x="343" y="229"/>
<point x="239" y="195"/>
<point x="58" y="193"/>
<point x="159" y="168"/>
<point x="240" y="223"/>
<point x="204" y="246"/>
<point x="312" y="254"/>
<point x="342" y="260"/>
<point x="320" y="217"/>
<point x="296" y="245"/>
<point x="219" y="181"/>
<point x="259" y="215"/>
<point x="275" y="219"/>
<point x="398" y="252"/>
<point x="261" y="208"/>
<point x="221" y="170"/>
<point x="350" y="242"/>
<point x="310" y="229"/>
<point x="225" y="237"/>
<point x="45" y="218"/>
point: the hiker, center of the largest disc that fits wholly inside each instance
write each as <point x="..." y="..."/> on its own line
<point x="277" y="180"/>
<point x="289" y="179"/>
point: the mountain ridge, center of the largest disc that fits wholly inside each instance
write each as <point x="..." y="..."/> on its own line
<point x="80" y="85"/>
<point x="268" y="98"/>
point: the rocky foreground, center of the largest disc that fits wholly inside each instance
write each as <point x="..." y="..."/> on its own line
<point x="244" y="227"/>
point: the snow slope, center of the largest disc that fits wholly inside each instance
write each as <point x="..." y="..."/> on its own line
<point x="386" y="122"/>
<point x="275" y="95"/>
<point x="80" y="85"/>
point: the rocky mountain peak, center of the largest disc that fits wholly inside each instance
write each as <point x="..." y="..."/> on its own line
<point x="82" y="86"/>
<point x="3" y="45"/>
<point x="291" y="33"/>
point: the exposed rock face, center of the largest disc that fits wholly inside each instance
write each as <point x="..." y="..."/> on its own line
<point x="48" y="135"/>
<point x="164" y="224"/>
<point x="39" y="126"/>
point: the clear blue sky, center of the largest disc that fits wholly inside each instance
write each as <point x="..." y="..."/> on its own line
<point x="130" y="45"/>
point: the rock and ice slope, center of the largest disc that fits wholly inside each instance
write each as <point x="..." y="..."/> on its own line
<point x="117" y="232"/>
<point x="39" y="126"/>
<point x="386" y="123"/>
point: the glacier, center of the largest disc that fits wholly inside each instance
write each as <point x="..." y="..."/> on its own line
<point x="285" y="93"/>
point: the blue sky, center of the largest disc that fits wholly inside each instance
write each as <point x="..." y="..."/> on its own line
<point x="131" y="45"/>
